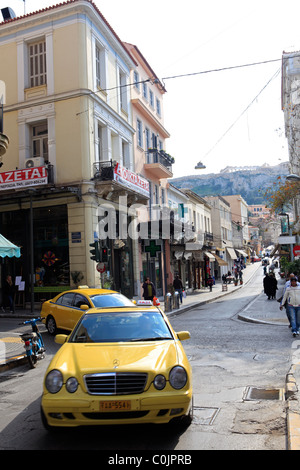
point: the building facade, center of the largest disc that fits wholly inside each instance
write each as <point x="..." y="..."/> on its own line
<point x="69" y="169"/>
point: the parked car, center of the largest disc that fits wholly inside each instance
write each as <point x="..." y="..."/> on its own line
<point x="119" y="365"/>
<point x="64" y="310"/>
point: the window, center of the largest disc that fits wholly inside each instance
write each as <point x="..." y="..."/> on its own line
<point x="158" y="109"/>
<point x="151" y="98"/>
<point x="37" y="64"/>
<point x="139" y="133"/>
<point x="136" y="80"/>
<point x="40" y="140"/>
<point x="145" y="91"/>
<point x="98" y="67"/>
<point x="147" y="134"/>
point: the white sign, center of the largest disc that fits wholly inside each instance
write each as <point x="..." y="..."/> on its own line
<point x="23" y="178"/>
<point x="131" y="180"/>
<point x="286" y="240"/>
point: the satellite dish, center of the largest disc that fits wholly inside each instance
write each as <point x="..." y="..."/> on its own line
<point x="200" y="166"/>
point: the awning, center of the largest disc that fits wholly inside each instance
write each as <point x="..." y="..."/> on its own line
<point x="178" y="254"/>
<point x="231" y="253"/>
<point x="209" y="255"/>
<point x="241" y="252"/>
<point x="220" y="261"/>
<point x="8" y="249"/>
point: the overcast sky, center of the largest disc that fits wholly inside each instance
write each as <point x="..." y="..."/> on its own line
<point x="222" y="118"/>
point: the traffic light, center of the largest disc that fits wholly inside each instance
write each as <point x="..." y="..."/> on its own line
<point x="95" y="252"/>
<point x="104" y="255"/>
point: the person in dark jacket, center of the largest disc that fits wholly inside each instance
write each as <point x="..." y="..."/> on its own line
<point x="148" y="289"/>
<point x="9" y="293"/>
<point x="273" y="285"/>
<point x="267" y="286"/>
<point x="178" y="286"/>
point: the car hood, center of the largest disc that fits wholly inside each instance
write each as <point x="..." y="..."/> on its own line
<point x="80" y="359"/>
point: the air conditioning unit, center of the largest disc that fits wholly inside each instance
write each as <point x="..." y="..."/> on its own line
<point x="35" y="161"/>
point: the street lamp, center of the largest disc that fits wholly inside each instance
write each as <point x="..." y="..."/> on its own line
<point x="200" y="166"/>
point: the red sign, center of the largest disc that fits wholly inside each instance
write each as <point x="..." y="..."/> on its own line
<point x="23" y="178"/>
<point x="100" y="267"/>
<point x="131" y="180"/>
<point x="296" y="250"/>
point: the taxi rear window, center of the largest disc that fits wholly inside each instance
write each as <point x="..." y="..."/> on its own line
<point x="111" y="300"/>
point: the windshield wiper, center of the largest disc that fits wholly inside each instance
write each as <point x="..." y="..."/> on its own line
<point x="153" y="338"/>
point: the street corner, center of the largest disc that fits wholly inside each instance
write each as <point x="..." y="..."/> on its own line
<point x="11" y="351"/>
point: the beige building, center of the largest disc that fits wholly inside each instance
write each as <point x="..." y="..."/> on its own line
<point x="151" y="161"/>
<point x="69" y="122"/>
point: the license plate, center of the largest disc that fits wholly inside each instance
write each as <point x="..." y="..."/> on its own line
<point x="116" y="405"/>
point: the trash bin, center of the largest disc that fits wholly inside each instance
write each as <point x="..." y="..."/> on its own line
<point x="176" y="300"/>
<point x="168" y="302"/>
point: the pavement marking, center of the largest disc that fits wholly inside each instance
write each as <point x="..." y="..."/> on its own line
<point x="11" y="340"/>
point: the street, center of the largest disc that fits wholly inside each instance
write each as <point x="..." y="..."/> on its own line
<point x="230" y="359"/>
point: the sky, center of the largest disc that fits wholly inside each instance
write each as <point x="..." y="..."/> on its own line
<point x="220" y="117"/>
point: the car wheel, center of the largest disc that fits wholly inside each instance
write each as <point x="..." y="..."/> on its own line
<point x="51" y="325"/>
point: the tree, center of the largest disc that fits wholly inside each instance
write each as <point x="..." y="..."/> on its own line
<point x="281" y="194"/>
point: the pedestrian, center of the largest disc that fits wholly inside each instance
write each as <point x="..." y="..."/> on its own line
<point x="178" y="286"/>
<point x="273" y="285"/>
<point x="210" y="282"/>
<point x="9" y="293"/>
<point x="288" y="284"/>
<point x="292" y="296"/>
<point x="148" y="289"/>
<point x="267" y="285"/>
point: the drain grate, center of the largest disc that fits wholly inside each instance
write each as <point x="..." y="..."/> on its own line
<point x="252" y="393"/>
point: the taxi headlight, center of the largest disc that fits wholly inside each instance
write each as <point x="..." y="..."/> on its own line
<point x="178" y="377"/>
<point x="54" y="381"/>
<point x="159" y="382"/>
<point x="72" y="384"/>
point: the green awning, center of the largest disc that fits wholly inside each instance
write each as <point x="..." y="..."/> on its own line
<point x="8" y="249"/>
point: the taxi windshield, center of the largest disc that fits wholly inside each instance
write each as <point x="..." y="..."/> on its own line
<point x="130" y="326"/>
<point x="110" y="300"/>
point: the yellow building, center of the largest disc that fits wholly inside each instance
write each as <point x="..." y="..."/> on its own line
<point x="68" y="118"/>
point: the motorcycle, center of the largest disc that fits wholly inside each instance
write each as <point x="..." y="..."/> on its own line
<point x="33" y="342"/>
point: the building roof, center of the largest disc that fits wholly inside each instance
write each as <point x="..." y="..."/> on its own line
<point x="69" y="2"/>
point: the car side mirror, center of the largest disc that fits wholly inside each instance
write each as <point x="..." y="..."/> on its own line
<point x="84" y="307"/>
<point x="60" y="339"/>
<point x="182" y="335"/>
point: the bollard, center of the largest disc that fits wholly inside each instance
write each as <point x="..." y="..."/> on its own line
<point x="176" y="300"/>
<point x="168" y="302"/>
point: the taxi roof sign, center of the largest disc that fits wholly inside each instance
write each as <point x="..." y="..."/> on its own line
<point x="144" y="302"/>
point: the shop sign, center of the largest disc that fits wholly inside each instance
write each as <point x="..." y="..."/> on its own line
<point x="296" y="250"/>
<point x="131" y="180"/>
<point x="23" y="178"/>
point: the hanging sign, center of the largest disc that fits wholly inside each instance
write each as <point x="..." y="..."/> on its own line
<point x="131" y="180"/>
<point x="23" y="178"/>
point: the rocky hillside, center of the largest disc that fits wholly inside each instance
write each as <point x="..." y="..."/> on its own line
<point x="249" y="182"/>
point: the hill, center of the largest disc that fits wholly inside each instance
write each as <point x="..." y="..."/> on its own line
<point x="249" y="182"/>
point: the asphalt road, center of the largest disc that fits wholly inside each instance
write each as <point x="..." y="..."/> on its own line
<point x="228" y="357"/>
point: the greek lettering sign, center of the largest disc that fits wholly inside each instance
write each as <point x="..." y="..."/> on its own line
<point x="23" y="178"/>
<point x="131" y="180"/>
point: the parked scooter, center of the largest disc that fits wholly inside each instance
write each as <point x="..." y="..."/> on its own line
<point x="33" y="342"/>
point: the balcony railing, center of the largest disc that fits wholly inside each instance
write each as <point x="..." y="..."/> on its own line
<point x="159" y="156"/>
<point x="104" y="171"/>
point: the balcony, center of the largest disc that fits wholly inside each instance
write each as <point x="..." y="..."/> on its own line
<point x="113" y="181"/>
<point x="159" y="163"/>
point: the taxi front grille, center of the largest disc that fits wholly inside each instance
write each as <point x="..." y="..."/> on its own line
<point x="115" y="383"/>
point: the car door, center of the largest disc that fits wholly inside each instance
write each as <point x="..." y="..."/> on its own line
<point x="79" y="300"/>
<point x="65" y="310"/>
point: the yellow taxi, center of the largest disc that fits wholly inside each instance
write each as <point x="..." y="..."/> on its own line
<point x="120" y="365"/>
<point x="64" y="310"/>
